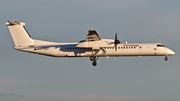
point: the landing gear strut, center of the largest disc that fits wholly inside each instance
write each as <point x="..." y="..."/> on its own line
<point x="166" y="58"/>
<point x="94" y="59"/>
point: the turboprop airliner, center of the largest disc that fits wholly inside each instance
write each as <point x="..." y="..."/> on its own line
<point x="93" y="46"/>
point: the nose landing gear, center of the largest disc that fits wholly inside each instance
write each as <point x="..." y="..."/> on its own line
<point x="94" y="59"/>
<point x="166" y="58"/>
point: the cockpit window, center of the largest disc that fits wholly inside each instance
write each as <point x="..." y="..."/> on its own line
<point x="160" y="46"/>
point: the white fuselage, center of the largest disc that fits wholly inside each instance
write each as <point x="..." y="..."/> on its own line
<point x="123" y="49"/>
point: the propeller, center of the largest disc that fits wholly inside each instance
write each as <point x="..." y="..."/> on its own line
<point x="116" y="41"/>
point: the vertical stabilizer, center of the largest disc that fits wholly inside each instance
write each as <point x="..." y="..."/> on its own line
<point x="19" y="34"/>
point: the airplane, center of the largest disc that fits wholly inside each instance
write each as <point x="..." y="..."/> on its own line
<point x="93" y="47"/>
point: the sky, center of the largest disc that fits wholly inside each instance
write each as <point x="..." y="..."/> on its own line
<point x="31" y="77"/>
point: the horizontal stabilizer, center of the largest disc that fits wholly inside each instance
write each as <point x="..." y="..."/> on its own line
<point x="14" y="22"/>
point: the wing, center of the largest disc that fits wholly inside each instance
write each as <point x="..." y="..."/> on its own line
<point x="92" y="36"/>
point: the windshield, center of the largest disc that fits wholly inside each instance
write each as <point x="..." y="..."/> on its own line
<point x="160" y="45"/>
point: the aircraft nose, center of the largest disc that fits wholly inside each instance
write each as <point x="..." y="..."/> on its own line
<point x="173" y="52"/>
<point x="170" y="52"/>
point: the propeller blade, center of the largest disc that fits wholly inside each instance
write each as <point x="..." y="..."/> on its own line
<point x="116" y="41"/>
<point x="115" y="47"/>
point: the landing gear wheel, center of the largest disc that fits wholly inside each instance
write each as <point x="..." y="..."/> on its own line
<point x="94" y="63"/>
<point x="92" y="58"/>
<point x="166" y="58"/>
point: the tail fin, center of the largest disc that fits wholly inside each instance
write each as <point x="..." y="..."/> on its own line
<point x="19" y="34"/>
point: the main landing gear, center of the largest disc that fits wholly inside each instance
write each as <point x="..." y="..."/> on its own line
<point x="94" y="59"/>
<point x="166" y="58"/>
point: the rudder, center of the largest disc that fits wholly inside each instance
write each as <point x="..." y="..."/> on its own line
<point x="19" y="34"/>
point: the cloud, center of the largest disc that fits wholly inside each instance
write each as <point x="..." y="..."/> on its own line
<point x="11" y="95"/>
<point x="21" y="96"/>
<point x="88" y="97"/>
<point x="3" y="94"/>
<point x="16" y="95"/>
<point x="9" y="82"/>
